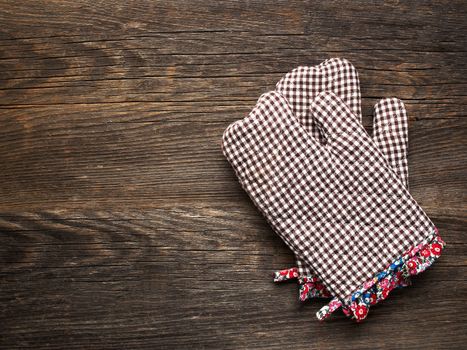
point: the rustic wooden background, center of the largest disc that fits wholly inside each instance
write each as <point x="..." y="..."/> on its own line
<point x="121" y="224"/>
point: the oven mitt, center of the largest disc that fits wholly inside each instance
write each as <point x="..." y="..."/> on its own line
<point x="390" y="133"/>
<point x="337" y="205"/>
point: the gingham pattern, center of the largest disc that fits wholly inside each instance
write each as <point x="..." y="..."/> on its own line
<point x="339" y="76"/>
<point x="390" y="134"/>
<point x="339" y="206"/>
<point x="303" y="84"/>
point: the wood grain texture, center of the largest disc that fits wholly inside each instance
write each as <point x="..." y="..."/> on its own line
<point x="121" y="224"/>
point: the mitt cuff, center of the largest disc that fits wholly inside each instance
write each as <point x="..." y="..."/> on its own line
<point x="413" y="262"/>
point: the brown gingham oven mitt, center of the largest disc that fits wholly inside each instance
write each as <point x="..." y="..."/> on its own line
<point x="337" y="205"/>
<point x="390" y="133"/>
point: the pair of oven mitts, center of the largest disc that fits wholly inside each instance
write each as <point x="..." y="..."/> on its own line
<point x="336" y="196"/>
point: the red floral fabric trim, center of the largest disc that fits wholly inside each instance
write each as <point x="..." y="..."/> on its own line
<point x="286" y="275"/>
<point x="310" y="286"/>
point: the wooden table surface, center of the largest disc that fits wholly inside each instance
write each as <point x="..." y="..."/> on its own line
<point x="122" y="226"/>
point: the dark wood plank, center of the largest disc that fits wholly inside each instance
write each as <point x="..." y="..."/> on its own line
<point x="121" y="224"/>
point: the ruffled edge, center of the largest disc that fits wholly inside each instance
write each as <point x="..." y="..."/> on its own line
<point x="413" y="262"/>
<point x="286" y="274"/>
<point x="310" y="286"/>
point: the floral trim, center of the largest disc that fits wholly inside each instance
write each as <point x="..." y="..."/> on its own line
<point x="310" y="286"/>
<point x="414" y="261"/>
<point x="286" y="275"/>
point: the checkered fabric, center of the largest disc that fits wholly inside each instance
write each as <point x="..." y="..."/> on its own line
<point x="303" y="84"/>
<point x="338" y="206"/>
<point x="390" y="134"/>
<point x="338" y="75"/>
